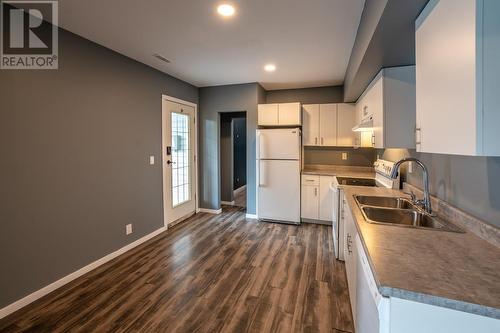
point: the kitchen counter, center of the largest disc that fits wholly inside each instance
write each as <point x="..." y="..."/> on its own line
<point x="452" y="270"/>
<point x="338" y="170"/>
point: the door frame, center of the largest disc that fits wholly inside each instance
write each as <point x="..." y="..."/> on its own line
<point x="165" y="98"/>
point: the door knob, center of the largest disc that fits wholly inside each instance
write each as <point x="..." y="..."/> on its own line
<point x="170" y="162"/>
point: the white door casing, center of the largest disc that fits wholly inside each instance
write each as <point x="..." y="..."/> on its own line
<point x="179" y="169"/>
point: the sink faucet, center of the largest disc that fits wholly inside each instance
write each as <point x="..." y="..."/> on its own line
<point x="426" y="202"/>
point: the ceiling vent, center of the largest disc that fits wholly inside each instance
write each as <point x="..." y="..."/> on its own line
<point x="162" y="58"/>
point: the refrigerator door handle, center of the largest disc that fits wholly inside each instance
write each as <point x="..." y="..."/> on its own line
<point x="259" y="138"/>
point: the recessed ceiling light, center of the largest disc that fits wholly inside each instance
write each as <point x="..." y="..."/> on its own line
<point x="270" y="67"/>
<point x="226" y="10"/>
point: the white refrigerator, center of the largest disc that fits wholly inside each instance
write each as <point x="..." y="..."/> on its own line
<point x="278" y="175"/>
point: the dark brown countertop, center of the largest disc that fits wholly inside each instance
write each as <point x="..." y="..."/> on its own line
<point x="455" y="270"/>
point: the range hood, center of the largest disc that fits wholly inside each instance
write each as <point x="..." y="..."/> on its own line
<point x="365" y="125"/>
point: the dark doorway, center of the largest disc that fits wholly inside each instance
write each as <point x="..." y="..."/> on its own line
<point x="233" y="158"/>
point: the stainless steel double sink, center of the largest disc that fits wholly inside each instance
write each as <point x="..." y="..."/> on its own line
<point x="399" y="212"/>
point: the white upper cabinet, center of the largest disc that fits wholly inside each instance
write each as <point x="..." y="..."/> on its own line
<point x="310" y="130"/>
<point x="329" y="125"/>
<point x="346" y="119"/>
<point x="390" y="101"/>
<point x="458" y="68"/>
<point x="289" y="114"/>
<point x="285" y="114"/>
<point x="268" y="114"/>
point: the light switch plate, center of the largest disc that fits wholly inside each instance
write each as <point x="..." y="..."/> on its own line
<point x="410" y="167"/>
<point x="128" y="229"/>
<point x="344" y="156"/>
<point x="151" y="160"/>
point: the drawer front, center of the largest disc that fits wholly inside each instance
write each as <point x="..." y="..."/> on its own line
<point x="311" y="180"/>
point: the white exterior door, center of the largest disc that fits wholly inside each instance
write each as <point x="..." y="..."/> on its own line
<point x="178" y="157"/>
<point x="279" y="144"/>
<point x="278" y="187"/>
<point x="311" y="124"/>
<point x="328" y="124"/>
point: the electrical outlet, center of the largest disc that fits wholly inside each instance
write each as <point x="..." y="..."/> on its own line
<point x="344" y="156"/>
<point x="151" y="160"/>
<point x="128" y="229"/>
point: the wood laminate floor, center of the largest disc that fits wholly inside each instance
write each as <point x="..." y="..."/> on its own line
<point x="212" y="273"/>
<point x="240" y="199"/>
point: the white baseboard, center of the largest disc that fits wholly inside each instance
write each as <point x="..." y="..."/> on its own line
<point x="240" y="189"/>
<point x="228" y="203"/>
<point x="210" y="211"/>
<point x="11" y="308"/>
<point x="251" y="216"/>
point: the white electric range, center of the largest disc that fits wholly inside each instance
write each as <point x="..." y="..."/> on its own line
<point x="382" y="178"/>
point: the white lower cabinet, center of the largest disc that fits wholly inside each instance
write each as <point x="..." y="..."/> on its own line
<point x="316" y="198"/>
<point x="350" y="234"/>
<point x="310" y="202"/>
<point x="374" y="313"/>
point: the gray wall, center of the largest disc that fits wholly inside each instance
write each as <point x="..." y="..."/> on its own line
<point x="213" y="101"/>
<point x="319" y="95"/>
<point x="385" y="38"/>
<point x="323" y="155"/>
<point x="333" y="156"/>
<point x="470" y="183"/>
<point x="75" y="162"/>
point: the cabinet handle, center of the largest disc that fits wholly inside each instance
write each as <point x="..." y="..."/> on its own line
<point x="315" y="141"/>
<point x="349" y="243"/>
<point x="321" y="141"/>
<point x="373" y="139"/>
<point x="418" y="136"/>
<point x="316" y="191"/>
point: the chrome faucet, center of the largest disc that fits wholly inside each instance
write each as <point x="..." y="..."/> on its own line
<point x="426" y="202"/>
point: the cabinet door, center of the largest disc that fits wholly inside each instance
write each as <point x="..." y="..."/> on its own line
<point x="325" y="199"/>
<point x="289" y="114"/>
<point x="310" y="129"/>
<point x="346" y="120"/>
<point x="446" y="78"/>
<point x="310" y="202"/>
<point x="376" y="103"/>
<point x="268" y="114"/>
<point x="328" y="124"/>
<point x="350" y="258"/>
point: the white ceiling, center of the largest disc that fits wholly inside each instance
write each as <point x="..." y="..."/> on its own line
<point x="310" y="41"/>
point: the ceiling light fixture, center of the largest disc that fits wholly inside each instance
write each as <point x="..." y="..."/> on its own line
<point x="226" y="10"/>
<point x="270" y="67"/>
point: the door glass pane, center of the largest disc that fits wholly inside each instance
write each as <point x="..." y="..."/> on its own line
<point x="181" y="168"/>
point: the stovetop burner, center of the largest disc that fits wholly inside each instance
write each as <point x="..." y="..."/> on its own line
<point x="356" y="181"/>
